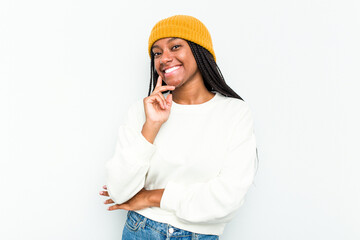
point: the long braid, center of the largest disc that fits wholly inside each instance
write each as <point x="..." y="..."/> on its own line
<point x="210" y="71"/>
<point x="153" y="76"/>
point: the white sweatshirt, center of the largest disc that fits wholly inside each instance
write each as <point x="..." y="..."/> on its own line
<point x="203" y="156"/>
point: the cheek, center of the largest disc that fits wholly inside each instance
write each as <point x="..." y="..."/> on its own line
<point x="183" y="57"/>
<point x="157" y="67"/>
<point x="192" y="66"/>
<point x="192" y="61"/>
<point x="188" y="60"/>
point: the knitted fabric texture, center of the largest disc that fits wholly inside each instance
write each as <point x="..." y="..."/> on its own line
<point x="185" y="27"/>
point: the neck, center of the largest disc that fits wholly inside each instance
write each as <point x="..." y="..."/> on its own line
<point x="193" y="92"/>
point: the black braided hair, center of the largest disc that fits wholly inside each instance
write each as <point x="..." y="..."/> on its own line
<point x="210" y="72"/>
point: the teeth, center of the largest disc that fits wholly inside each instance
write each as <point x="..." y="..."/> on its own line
<point x="171" y="69"/>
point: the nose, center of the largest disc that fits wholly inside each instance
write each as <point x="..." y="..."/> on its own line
<point x="165" y="57"/>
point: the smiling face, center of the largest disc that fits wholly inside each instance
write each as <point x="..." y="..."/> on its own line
<point x="174" y="61"/>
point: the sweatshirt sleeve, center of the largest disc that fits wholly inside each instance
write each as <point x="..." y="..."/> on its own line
<point x="217" y="200"/>
<point x="127" y="168"/>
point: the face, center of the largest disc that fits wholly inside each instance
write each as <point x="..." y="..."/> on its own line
<point x="174" y="61"/>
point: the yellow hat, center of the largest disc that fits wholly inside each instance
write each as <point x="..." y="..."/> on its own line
<point x="185" y="27"/>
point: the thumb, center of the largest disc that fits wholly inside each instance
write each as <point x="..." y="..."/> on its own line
<point x="169" y="100"/>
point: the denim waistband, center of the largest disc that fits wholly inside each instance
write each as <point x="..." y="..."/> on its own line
<point x="162" y="228"/>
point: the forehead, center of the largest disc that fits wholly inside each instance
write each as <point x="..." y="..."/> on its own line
<point x="164" y="41"/>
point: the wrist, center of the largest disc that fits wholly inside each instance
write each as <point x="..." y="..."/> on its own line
<point x="154" y="197"/>
<point x="153" y="124"/>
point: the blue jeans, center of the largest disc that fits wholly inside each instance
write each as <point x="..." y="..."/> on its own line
<point x="139" y="227"/>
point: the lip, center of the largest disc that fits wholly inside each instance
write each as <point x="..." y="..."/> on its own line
<point x="165" y="68"/>
<point x="173" y="72"/>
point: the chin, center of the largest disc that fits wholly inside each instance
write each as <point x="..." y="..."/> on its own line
<point x="174" y="83"/>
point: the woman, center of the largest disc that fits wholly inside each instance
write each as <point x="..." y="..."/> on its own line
<point x="183" y="163"/>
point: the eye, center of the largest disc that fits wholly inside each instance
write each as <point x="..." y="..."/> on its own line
<point x="156" y="54"/>
<point x="176" y="47"/>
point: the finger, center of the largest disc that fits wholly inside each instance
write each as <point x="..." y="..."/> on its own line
<point x="169" y="100"/>
<point x="118" y="206"/>
<point x="104" y="193"/>
<point x="163" y="88"/>
<point x="113" y="207"/>
<point x="108" y="201"/>
<point x="156" y="98"/>
<point x="163" y="99"/>
<point x="159" y="82"/>
<point x="160" y="101"/>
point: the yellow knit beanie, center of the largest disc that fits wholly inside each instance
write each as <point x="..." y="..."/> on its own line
<point x="185" y="27"/>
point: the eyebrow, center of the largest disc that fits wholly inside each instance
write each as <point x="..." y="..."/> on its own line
<point x="170" y="40"/>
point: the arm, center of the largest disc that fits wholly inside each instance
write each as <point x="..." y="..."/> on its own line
<point x="143" y="199"/>
<point x="127" y="168"/>
<point x="154" y="197"/>
<point x="150" y="130"/>
<point x="217" y="200"/>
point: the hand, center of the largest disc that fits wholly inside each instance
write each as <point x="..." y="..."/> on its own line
<point x="157" y="108"/>
<point x="137" y="202"/>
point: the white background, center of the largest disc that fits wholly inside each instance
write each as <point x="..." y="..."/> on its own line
<point x="70" y="69"/>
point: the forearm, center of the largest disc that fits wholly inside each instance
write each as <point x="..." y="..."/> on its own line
<point x="127" y="169"/>
<point x="150" y="130"/>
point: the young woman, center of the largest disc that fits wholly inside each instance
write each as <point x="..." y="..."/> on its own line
<point x="183" y="163"/>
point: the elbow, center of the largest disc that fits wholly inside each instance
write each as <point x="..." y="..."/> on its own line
<point x="222" y="211"/>
<point x="219" y="215"/>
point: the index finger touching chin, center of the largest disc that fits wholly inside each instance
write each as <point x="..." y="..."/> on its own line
<point x="159" y="81"/>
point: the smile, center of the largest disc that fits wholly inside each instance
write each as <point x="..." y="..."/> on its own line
<point x="169" y="70"/>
